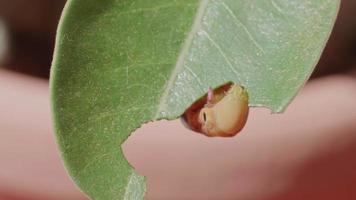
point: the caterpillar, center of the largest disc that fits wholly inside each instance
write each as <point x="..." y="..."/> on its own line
<point x="222" y="112"/>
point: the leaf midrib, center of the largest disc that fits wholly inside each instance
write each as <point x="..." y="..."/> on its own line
<point x="203" y="4"/>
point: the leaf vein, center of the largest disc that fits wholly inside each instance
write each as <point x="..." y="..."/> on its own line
<point x="182" y="55"/>
<point x="195" y="76"/>
<point x="238" y="22"/>
<point x="276" y="6"/>
<point x="220" y="51"/>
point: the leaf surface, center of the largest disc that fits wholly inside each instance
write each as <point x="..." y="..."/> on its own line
<point x="121" y="63"/>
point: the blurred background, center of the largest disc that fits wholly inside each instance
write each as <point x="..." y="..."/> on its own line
<point x="310" y="147"/>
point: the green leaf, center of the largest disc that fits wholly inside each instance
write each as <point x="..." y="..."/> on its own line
<point x="121" y="63"/>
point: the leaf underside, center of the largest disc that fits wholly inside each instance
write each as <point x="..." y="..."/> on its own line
<point x="121" y="63"/>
